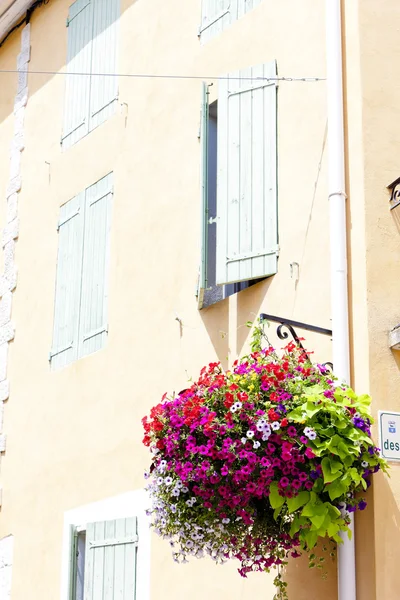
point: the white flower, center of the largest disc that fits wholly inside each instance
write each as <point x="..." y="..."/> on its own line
<point x="154" y="450"/>
<point x="265" y="436"/>
<point x="163" y="463"/>
<point x="364" y="464"/>
<point x="275" y="425"/>
<point x="261" y="424"/>
<point x="256" y="444"/>
<point x="146" y="474"/>
<point x="184" y="489"/>
<point x="237" y="405"/>
<point x="243" y="440"/>
<point x="357" y="415"/>
<point x="168" y="480"/>
<point x="179" y="484"/>
<point x="250" y="434"/>
<point x="173" y="508"/>
<point x="160" y="480"/>
<point x="175" y="492"/>
<point x="310" y="433"/>
<point x="233" y="408"/>
<point x="226" y="521"/>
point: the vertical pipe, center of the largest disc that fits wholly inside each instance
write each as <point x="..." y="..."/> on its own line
<point x="338" y="249"/>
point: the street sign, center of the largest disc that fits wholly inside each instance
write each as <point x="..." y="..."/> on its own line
<point x="389" y="434"/>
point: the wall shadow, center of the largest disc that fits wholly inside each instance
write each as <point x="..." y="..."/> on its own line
<point x="216" y="322"/>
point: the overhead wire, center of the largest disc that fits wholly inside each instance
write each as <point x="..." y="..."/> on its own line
<point x="165" y="76"/>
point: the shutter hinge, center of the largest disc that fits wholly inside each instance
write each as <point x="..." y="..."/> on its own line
<point x="212" y="220"/>
<point x="67" y="23"/>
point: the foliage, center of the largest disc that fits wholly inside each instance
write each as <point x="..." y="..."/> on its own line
<point x="260" y="462"/>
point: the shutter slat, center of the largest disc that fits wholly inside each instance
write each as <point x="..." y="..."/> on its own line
<point x="109" y="562"/>
<point x="79" y="58"/>
<point x="258" y="206"/>
<point x="204" y="196"/>
<point x="245" y="176"/>
<point x="110" y="568"/>
<point x="104" y="90"/>
<point x="247" y="235"/>
<point x="68" y="283"/>
<point x="94" y="297"/>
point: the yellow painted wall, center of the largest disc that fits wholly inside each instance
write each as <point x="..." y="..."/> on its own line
<point x="74" y="435"/>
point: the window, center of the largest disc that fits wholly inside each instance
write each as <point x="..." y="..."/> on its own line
<point x="104" y="560"/>
<point x="239" y="184"/>
<point x="92" y="48"/>
<point x="217" y="15"/>
<point x="80" y="314"/>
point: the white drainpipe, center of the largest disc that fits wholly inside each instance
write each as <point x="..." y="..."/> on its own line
<point x="338" y="245"/>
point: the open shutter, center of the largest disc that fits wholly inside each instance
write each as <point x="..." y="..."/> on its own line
<point x="79" y="59"/>
<point x="216" y="15"/>
<point x="104" y="90"/>
<point x="110" y="563"/>
<point x="204" y="196"/>
<point x="247" y="233"/>
<point x="68" y="283"/>
<point x="93" y="314"/>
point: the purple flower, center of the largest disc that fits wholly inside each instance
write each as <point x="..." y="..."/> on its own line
<point x="362" y="505"/>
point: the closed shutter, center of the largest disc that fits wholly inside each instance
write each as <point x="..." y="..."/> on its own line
<point x="247" y="232"/>
<point x="216" y="15"/>
<point x="245" y="6"/>
<point x="68" y="283"/>
<point x="93" y="312"/>
<point x="204" y="216"/>
<point x="104" y="90"/>
<point x="79" y="59"/>
<point x="110" y="563"/>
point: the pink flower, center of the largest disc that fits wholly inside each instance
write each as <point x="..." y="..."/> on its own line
<point x="284" y="482"/>
<point x="309" y="453"/>
<point x="308" y="485"/>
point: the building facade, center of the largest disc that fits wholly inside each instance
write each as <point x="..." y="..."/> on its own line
<point x="163" y="181"/>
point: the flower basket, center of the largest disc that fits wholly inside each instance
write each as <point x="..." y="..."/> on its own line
<point x="259" y="463"/>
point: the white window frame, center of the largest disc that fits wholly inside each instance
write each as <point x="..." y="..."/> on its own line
<point x="130" y="504"/>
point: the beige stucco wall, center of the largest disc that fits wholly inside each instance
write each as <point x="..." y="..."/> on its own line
<point x="74" y="436"/>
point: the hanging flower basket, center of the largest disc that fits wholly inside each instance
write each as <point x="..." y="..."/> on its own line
<point x="260" y="462"/>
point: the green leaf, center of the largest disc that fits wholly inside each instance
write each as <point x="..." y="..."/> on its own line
<point x="331" y="469"/>
<point x="333" y="528"/>
<point x="300" y="500"/>
<point x="276" y="512"/>
<point x="336" y="489"/>
<point x="318" y="520"/>
<point x="275" y="500"/>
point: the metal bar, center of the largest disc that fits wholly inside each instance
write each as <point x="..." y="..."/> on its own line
<point x="101" y="544"/>
<point x="251" y="89"/>
<point x="289" y="322"/>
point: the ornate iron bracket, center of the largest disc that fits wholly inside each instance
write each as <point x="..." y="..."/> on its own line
<point x="289" y="325"/>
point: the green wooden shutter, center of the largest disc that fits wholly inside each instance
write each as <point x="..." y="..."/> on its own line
<point x="104" y="90"/>
<point x="247" y="232"/>
<point x="93" y="311"/>
<point x="204" y="196"/>
<point x="110" y="563"/>
<point x="216" y="15"/>
<point x="68" y="283"/>
<point x="79" y="59"/>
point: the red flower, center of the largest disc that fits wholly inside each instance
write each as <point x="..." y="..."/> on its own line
<point x="273" y="416"/>
<point x="284" y="422"/>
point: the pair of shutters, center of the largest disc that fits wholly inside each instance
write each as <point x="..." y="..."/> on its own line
<point x="110" y="560"/>
<point x="217" y="15"/>
<point x="80" y="317"/>
<point x="247" y="232"/>
<point x="90" y="98"/>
